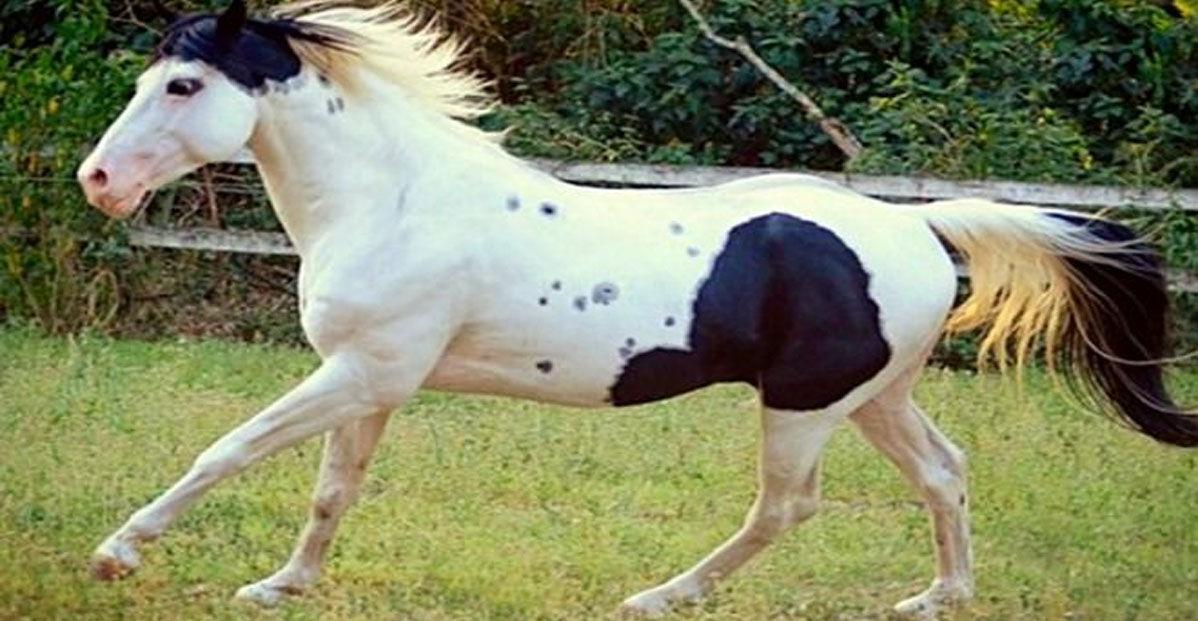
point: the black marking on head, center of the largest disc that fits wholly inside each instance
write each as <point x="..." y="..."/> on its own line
<point x="545" y="366"/>
<point x="513" y="203"/>
<point x="605" y="293"/>
<point x="543" y="301"/>
<point x="692" y="251"/>
<point x="556" y="286"/>
<point x="786" y="307"/>
<point x="247" y="51"/>
<point x="669" y="321"/>
<point x="549" y="209"/>
<point x="675" y="228"/>
<point x="580" y="302"/>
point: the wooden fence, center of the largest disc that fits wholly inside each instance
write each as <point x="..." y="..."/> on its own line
<point x="905" y="189"/>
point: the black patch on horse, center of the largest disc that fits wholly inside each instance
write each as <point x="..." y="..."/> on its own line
<point x="247" y="51"/>
<point x="787" y="308"/>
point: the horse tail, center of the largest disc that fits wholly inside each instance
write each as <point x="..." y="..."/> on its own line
<point x="1088" y="289"/>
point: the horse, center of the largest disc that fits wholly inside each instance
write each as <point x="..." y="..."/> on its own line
<point x="431" y="258"/>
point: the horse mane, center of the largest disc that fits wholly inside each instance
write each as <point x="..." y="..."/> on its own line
<point x="396" y="43"/>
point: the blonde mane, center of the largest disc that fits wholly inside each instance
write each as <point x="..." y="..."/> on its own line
<point x="394" y="42"/>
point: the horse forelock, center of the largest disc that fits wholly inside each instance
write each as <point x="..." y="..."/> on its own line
<point x="336" y="39"/>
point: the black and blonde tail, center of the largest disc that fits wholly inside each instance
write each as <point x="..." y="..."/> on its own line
<point x="1087" y="288"/>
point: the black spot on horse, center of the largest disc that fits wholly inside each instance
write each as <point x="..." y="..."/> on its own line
<point x="332" y="107"/>
<point x="323" y="79"/>
<point x="513" y="203"/>
<point x="604" y="293"/>
<point x="625" y="352"/>
<point x="692" y="251"/>
<point x="580" y="302"/>
<point x="786" y="307"/>
<point x="549" y="209"/>
<point x="630" y="342"/>
<point x="669" y="321"/>
<point x="543" y="301"/>
<point x="545" y="366"/>
<point x="556" y="285"/>
<point x="340" y="104"/>
<point x="675" y="228"/>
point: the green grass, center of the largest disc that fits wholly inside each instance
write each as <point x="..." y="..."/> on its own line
<point x="480" y="508"/>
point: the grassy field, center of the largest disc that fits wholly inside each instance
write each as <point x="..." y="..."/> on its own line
<point x="480" y="508"/>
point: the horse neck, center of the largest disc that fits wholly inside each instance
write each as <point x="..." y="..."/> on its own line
<point x="331" y="162"/>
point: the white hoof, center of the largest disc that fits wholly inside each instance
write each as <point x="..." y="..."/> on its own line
<point x="270" y="592"/>
<point x="931" y="602"/>
<point x="113" y="560"/>
<point x="647" y="604"/>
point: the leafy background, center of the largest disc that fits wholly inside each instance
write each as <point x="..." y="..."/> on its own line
<point x="1093" y="91"/>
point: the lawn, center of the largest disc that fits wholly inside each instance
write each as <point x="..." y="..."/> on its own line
<point x="482" y="508"/>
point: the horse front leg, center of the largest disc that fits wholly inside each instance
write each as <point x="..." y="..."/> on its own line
<point x="344" y="389"/>
<point x="347" y="453"/>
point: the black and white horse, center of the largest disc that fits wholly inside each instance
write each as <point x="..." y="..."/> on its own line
<point x="431" y="258"/>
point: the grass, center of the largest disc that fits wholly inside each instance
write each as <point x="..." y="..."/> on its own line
<point x="480" y="508"/>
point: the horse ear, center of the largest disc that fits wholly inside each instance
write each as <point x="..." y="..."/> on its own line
<point x="229" y="23"/>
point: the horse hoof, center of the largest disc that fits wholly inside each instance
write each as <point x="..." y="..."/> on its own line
<point x="265" y="594"/>
<point x="647" y="605"/>
<point x="930" y="603"/>
<point x="113" y="562"/>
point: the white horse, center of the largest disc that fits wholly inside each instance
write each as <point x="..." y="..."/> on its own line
<point x="431" y="258"/>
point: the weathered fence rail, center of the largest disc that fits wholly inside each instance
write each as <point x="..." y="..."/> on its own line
<point x="1089" y="197"/>
<point x="912" y="189"/>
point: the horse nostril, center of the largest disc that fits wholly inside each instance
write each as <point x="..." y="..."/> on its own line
<point x="98" y="178"/>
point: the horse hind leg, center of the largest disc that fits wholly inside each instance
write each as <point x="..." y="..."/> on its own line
<point x="347" y="452"/>
<point x="897" y="427"/>
<point x="788" y="493"/>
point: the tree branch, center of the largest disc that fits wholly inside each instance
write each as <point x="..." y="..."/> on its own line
<point x="838" y="132"/>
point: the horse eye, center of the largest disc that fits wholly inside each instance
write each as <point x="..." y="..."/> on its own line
<point x="184" y="87"/>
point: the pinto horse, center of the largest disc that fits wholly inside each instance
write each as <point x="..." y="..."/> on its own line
<point x="431" y="258"/>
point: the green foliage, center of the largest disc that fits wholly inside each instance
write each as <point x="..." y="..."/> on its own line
<point x="489" y="509"/>
<point x="1043" y="90"/>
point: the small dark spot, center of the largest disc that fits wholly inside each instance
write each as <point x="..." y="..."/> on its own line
<point x="324" y="79"/>
<point x="548" y="209"/>
<point x="604" y="293"/>
<point x="544" y="366"/>
<point x="281" y="88"/>
<point x="543" y="301"/>
<point x="675" y="228"/>
<point x="625" y="352"/>
<point x="323" y="512"/>
<point x="669" y="321"/>
<point x="631" y="342"/>
<point x="332" y="107"/>
<point x="557" y="285"/>
<point x="692" y="251"/>
<point x="962" y="500"/>
<point x="340" y="103"/>
<point x="513" y="203"/>
<point x="580" y="302"/>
